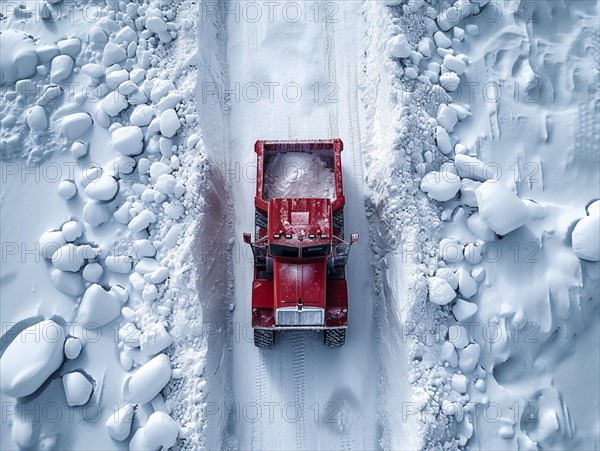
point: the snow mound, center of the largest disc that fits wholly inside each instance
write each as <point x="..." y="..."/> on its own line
<point x="34" y="354"/>
<point x="298" y="175"/>
<point x="78" y="388"/>
<point x="500" y="208"/>
<point x="18" y="58"/>
<point x="586" y="237"/>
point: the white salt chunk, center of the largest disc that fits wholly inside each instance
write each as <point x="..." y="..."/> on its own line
<point x="463" y="310"/>
<point x="143" y="248"/>
<point x="160" y="89"/>
<point x="458" y="336"/>
<point x="128" y="140"/>
<point x="78" y="388"/>
<point x="79" y="149"/>
<point x="119" y="423"/>
<point x="149" y="293"/>
<point x="155" y="339"/>
<point x="500" y="208"/>
<point x="156" y="24"/>
<point x="103" y="188"/>
<point x="459" y="383"/>
<point x="398" y="47"/>
<point x="67" y="282"/>
<point x="75" y="125"/>
<point x="34" y="354"/>
<point x="130" y="335"/>
<point x="443" y="140"/>
<point x="467" y="192"/>
<point x="479" y="228"/>
<point x="93" y="70"/>
<point x="72" y="348"/>
<point x="586" y="238"/>
<point x="472" y="168"/>
<point x="118" y="264"/>
<point x="440" y="186"/>
<point x="448" y="275"/>
<point x="440" y="291"/>
<point x="148" y="380"/>
<point x="449" y="354"/>
<point x="450" y="250"/>
<point x="142" y="115"/>
<point x="95" y="214"/>
<point x="455" y="64"/>
<point x="447" y="117"/>
<point x="469" y="357"/>
<point x="466" y="284"/>
<point x="160" y="432"/>
<point x="98" y="307"/>
<point x="61" y="68"/>
<point x="36" y="118"/>
<point x="441" y="40"/>
<point x="114" y="103"/>
<point x="70" y="47"/>
<point x="169" y="123"/>
<point x="50" y="242"/>
<point x="449" y="81"/>
<point x="68" y="258"/>
<point x="159" y="168"/>
<point x="113" y="53"/>
<point x="142" y="221"/>
<point x="160" y="275"/>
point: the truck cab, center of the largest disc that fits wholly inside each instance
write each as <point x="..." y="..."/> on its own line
<point x="299" y="254"/>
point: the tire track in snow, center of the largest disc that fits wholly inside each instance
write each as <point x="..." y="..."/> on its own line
<point x="299" y="377"/>
<point x="330" y="65"/>
<point x="260" y="378"/>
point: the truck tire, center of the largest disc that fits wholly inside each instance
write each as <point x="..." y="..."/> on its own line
<point x="335" y="338"/>
<point x="264" y="338"/>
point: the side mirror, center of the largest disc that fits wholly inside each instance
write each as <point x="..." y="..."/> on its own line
<point x="353" y="238"/>
<point x="247" y="238"/>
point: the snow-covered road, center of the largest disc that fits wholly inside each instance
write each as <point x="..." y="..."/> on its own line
<point x="293" y="75"/>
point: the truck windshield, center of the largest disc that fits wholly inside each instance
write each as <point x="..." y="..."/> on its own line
<point x="277" y="250"/>
<point x="316" y="251"/>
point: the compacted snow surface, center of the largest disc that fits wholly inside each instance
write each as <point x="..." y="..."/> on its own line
<point x="471" y="170"/>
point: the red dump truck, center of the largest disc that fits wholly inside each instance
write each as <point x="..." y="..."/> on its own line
<point x="299" y="250"/>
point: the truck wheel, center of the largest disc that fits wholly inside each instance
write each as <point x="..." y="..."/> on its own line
<point x="335" y="338"/>
<point x="264" y="338"/>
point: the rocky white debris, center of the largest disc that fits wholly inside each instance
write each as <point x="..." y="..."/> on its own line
<point x="103" y="188"/>
<point x="398" y="47"/>
<point x="463" y="310"/>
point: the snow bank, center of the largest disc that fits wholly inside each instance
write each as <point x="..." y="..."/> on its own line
<point x="500" y="208"/>
<point x="31" y="358"/>
<point x="298" y="174"/>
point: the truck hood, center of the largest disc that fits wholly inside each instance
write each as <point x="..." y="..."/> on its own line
<point x="305" y="281"/>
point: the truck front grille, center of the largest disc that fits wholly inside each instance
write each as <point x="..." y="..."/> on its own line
<point x="291" y="316"/>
